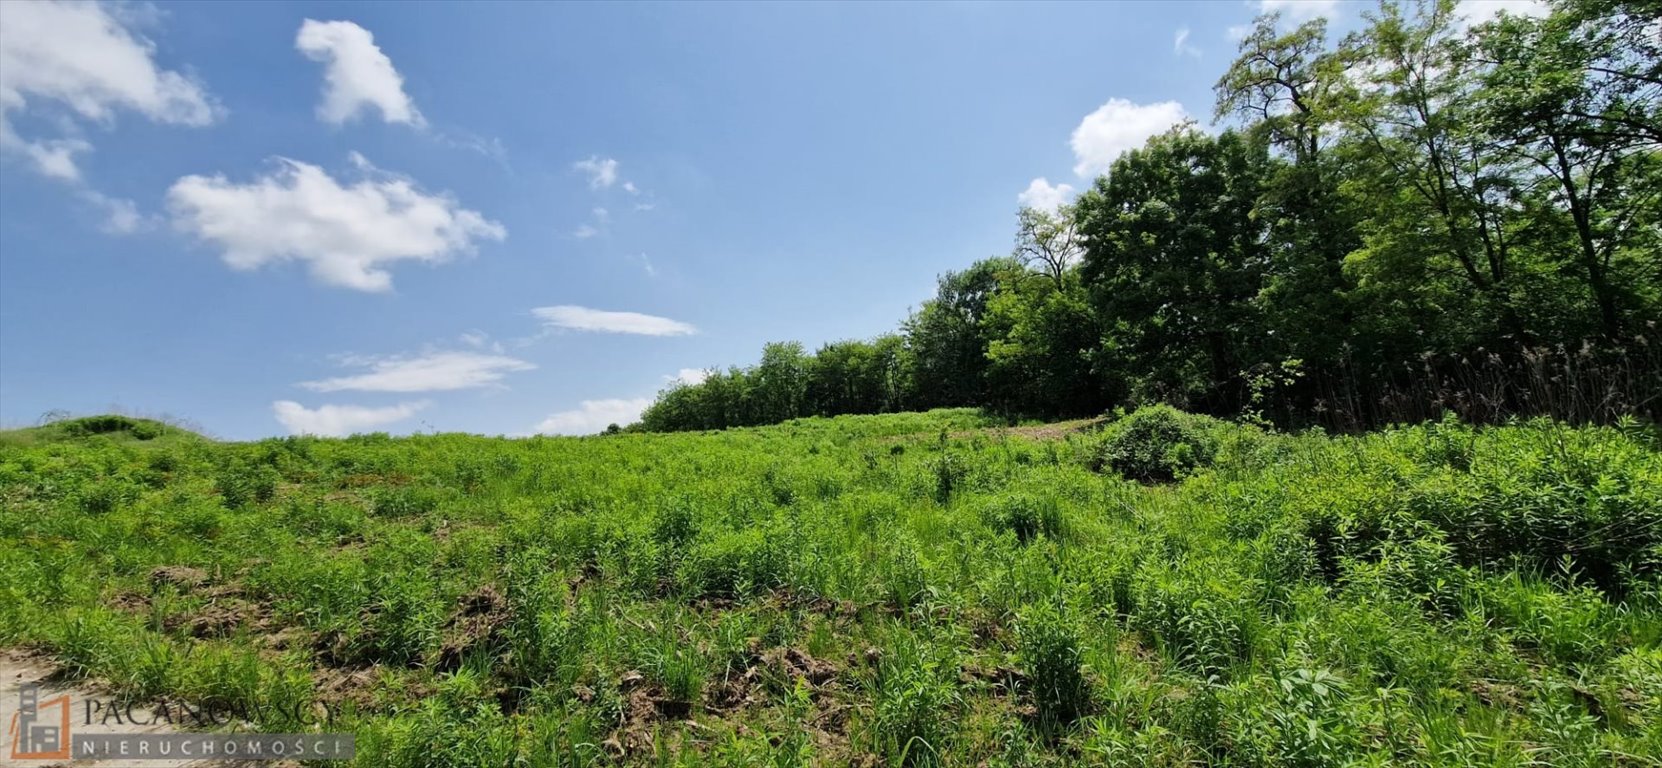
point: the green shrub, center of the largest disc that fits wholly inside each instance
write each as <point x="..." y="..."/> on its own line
<point x="734" y="564"/>
<point x="98" y="425"/>
<point x="1157" y="443"/>
<point x="101" y="497"/>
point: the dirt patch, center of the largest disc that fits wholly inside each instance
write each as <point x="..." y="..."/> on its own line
<point x="183" y="577"/>
<point x="1054" y="431"/>
<point x="480" y="620"/>
<point x="337" y="686"/>
<point x="647" y="706"/>
<point x="221" y="618"/>
<point x="225" y="612"/>
<point x="793" y="663"/>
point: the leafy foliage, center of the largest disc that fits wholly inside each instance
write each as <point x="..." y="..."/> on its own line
<point x="1425" y="215"/>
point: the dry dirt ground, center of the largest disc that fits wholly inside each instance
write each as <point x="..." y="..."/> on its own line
<point x="18" y="669"/>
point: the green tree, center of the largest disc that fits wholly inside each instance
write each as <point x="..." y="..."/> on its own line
<point x="1575" y="95"/>
<point x="947" y="339"/>
<point x="1283" y="85"/>
<point x="1174" y="256"/>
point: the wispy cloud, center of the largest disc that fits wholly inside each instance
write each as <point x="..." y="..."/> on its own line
<point x="339" y="420"/>
<point x="646" y="265"/>
<point x="80" y="62"/>
<point x="1470" y="13"/>
<point x="602" y="321"/>
<point x="591" y="416"/>
<point x="1044" y="196"/>
<point x="432" y="372"/>
<point x="602" y="171"/>
<point x="1301" y="10"/>
<point x="1181" y="45"/>
<point x="689" y="376"/>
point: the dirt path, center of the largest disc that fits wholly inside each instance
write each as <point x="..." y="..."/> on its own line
<point x="18" y="670"/>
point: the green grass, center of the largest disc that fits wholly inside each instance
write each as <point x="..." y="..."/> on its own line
<point x="912" y="589"/>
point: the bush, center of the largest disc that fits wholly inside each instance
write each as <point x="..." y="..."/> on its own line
<point x="405" y="502"/>
<point x="1157" y="444"/>
<point x="98" y="425"/>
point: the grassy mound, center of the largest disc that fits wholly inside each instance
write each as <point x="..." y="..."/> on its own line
<point x="106" y="426"/>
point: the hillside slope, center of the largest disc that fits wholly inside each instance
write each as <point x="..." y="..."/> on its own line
<point x="1162" y="589"/>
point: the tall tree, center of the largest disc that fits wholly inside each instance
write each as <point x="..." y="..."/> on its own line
<point x="947" y="339"/>
<point x="1283" y="84"/>
<point x="1047" y="242"/>
<point x="1443" y="204"/>
<point x="1174" y="255"/>
<point x="1575" y="95"/>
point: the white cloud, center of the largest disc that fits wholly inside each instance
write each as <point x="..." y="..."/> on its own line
<point x="586" y="319"/>
<point x="1044" y="196"/>
<point x="688" y="376"/>
<point x="83" y="58"/>
<point x="121" y="216"/>
<point x="1300" y="10"/>
<point x="339" y="420"/>
<point x="357" y="76"/>
<point x="629" y="186"/>
<point x="592" y="416"/>
<point x="347" y="235"/>
<point x="481" y="340"/>
<point x="1117" y="126"/>
<point x="602" y="171"/>
<point x="79" y="61"/>
<point x="1180" y="44"/>
<point x="585" y="231"/>
<point x="431" y="372"/>
<point x="1473" y="12"/>
<point x="55" y="158"/>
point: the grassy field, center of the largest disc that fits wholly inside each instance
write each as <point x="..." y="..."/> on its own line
<point x="913" y="589"/>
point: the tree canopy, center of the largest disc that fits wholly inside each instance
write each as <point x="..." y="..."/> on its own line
<point x="1424" y="215"/>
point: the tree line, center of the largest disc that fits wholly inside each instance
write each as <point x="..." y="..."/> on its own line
<point x="1422" y="215"/>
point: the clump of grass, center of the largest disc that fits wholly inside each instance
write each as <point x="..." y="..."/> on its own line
<point x="1049" y="648"/>
<point x="917" y="701"/>
<point x="1027" y="515"/>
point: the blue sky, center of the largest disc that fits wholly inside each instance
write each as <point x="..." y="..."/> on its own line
<point x="507" y="218"/>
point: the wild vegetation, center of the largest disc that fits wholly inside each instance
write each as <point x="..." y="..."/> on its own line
<point x="1158" y="588"/>
<point x="1422" y="216"/>
<point x="1447" y="234"/>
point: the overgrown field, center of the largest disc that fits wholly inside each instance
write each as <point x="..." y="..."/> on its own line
<point x="916" y="589"/>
